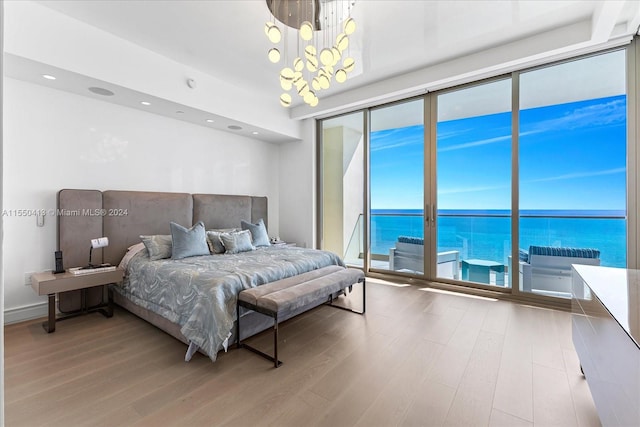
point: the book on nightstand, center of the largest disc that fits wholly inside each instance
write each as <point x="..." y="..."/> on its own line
<point x="84" y="270"/>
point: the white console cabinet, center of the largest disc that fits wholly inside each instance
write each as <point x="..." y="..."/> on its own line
<point x="606" y="334"/>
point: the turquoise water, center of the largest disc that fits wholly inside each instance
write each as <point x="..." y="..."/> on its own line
<point x="486" y="234"/>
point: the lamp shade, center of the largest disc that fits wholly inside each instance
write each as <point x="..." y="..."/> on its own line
<point x="285" y="100"/>
<point x="326" y="56"/>
<point x="349" y="26"/>
<point x="100" y="242"/>
<point x="273" y="32"/>
<point x="342" y="42"/>
<point x="274" y="55"/>
<point x="348" y="64"/>
<point x="306" y="31"/>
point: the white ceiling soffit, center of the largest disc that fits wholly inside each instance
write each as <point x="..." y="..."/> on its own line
<point x="403" y="48"/>
<point x="26" y="70"/>
<point x="38" y="38"/>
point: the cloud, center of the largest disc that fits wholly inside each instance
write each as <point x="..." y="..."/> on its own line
<point x="482" y="142"/>
<point x="578" y="175"/>
<point x="443" y="191"/>
<point x="475" y="143"/>
<point x="612" y="112"/>
<point x="394" y="138"/>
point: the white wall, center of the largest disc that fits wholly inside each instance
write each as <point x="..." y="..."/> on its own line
<point x="55" y="140"/>
<point x="298" y="188"/>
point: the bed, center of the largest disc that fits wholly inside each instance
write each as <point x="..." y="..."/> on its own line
<point x="194" y="298"/>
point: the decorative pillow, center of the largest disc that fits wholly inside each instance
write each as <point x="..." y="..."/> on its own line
<point x="158" y="246"/>
<point x="131" y="251"/>
<point x="237" y="242"/>
<point x="523" y="255"/>
<point x="188" y="242"/>
<point x="258" y="232"/>
<point x="213" y="239"/>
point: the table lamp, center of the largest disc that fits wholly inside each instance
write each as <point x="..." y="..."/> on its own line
<point x="100" y="242"/>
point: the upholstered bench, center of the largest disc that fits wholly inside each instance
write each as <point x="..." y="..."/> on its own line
<point x="286" y="298"/>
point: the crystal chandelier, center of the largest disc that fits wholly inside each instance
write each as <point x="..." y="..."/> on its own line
<point x="321" y="52"/>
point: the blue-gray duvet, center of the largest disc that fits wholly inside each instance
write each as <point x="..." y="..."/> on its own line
<point x="199" y="293"/>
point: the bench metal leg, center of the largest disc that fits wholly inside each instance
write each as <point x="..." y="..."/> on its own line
<point x="364" y="299"/>
<point x="237" y="326"/>
<point x="274" y="358"/>
<point x="276" y="362"/>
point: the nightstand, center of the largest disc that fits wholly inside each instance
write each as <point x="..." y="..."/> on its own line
<point x="50" y="284"/>
<point x="283" y="245"/>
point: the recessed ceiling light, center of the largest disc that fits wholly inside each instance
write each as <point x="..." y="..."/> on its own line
<point x="254" y="132"/>
<point x="48" y="77"/>
<point x="209" y="121"/>
<point x="234" y="127"/>
<point x="101" y="91"/>
<point x="145" y="103"/>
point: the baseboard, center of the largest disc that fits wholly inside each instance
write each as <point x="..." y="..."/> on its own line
<point x="29" y="312"/>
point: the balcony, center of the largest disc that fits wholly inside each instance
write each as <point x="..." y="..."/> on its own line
<point x="482" y="242"/>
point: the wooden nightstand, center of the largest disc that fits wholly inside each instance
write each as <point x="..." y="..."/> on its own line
<point x="50" y="284"/>
<point x="283" y="245"/>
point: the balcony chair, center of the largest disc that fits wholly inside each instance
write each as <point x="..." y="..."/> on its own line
<point x="547" y="270"/>
<point x="408" y="254"/>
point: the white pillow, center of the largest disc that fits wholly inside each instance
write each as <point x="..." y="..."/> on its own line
<point x="131" y="251"/>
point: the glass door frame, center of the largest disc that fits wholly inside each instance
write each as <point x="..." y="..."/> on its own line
<point x="632" y="52"/>
<point x="428" y="266"/>
<point x="632" y="178"/>
<point x="432" y="199"/>
<point x="319" y="180"/>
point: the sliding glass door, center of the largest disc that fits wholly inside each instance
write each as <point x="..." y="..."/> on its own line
<point x="572" y="161"/>
<point x="509" y="180"/>
<point x="342" y="166"/>
<point x="396" y="171"/>
<point x="473" y="176"/>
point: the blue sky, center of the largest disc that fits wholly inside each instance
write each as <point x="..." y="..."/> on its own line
<point x="572" y="156"/>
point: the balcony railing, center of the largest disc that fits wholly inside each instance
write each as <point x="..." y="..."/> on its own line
<point x="486" y="235"/>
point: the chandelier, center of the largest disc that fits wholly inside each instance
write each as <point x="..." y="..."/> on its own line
<point x="321" y="48"/>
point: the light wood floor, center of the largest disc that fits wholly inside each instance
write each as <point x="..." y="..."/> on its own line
<point x="416" y="358"/>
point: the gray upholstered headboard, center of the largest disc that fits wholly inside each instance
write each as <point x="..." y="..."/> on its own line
<point x="123" y="216"/>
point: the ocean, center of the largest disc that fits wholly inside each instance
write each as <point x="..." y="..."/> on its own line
<point x="485" y="234"/>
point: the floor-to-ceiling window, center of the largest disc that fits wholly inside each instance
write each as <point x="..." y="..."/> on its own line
<point x="509" y="180"/>
<point x="572" y="165"/>
<point x="342" y="188"/>
<point x="473" y="178"/>
<point x="396" y="190"/>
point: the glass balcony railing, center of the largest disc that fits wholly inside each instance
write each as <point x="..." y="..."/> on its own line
<point x="486" y="236"/>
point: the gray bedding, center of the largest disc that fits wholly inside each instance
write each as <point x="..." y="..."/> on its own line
<point x="199" y="293"/>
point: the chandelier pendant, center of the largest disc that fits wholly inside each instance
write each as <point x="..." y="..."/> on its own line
<point x="322" y="56"/>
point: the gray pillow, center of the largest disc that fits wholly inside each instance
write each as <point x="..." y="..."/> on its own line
<point x="159" y="246"/>
<point x="213" y="239"/>
<point x="188" y="242"/>
<point x="258" y="232"/>
<point x="237" y="242"/>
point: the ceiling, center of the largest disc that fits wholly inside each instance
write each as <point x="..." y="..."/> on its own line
<point x="225" y="39"/>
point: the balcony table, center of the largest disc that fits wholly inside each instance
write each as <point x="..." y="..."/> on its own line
<point x="479" y="270"/>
